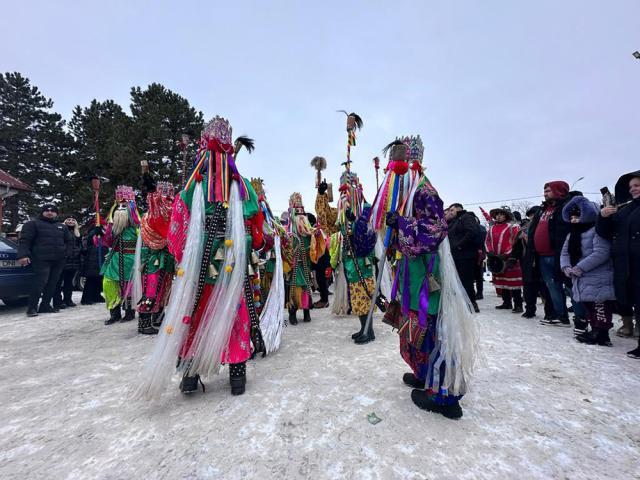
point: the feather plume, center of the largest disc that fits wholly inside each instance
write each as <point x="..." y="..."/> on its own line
<point x="244" y="141"/>
<point x="386" y="149"/>
<point x="319" y="163"/>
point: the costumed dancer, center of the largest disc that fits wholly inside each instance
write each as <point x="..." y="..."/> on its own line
<point x="326" y="217"/>
<point x="297" y="255"/>
<point x="154" y="265"/>
<point x="504" y="250"/>
<point x="212" y="317"/>
<point x="351" y="250"/>
<point x="271" y="273"/>
<point x="438" y="339"/>
<point x="120" y="237"/>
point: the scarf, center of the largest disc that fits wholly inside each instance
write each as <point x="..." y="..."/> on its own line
<point x="575" y="241"/>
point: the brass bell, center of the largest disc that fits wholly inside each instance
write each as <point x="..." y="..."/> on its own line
<point x="213" y="271"/>
<point x="219" y="255"/>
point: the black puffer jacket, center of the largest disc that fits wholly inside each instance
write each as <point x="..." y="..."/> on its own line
<point x="43" y="239"/>
<point x="622" y="229"/>
<point x="74" y="249"/>
<point x="462" y="231"/>
<point x="91" y="254"/>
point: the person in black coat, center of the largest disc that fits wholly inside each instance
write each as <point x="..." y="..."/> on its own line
<point x="92" y="259"/>
<point x="64" y="289"/>
<point x="462" y="234"/>
<point x="621" y="226"/>
<point x="546" y="237"/>
<point x="43" y="244"/>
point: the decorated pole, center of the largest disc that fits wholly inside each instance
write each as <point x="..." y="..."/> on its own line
<point x="376" y="165"/>
<point x="354" y="122"/>
<point x="184" y="144"/>
<point x="95" y="186"/>
<point x="399" y="166"/>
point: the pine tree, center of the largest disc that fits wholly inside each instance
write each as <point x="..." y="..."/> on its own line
<point x="34" y="146"/>
<point x="160" y="117"/>
<point x="103" y="135"/>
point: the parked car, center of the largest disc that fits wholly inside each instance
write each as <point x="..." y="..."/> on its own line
<point x="15" y="281"/>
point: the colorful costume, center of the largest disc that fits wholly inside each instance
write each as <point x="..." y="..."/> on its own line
<point x="504" y="249"/>
<point x="120" y="236"/>
<point x="213" y="315"/>
<point x="433" y="314"/>
<point x="297" y="256"/>
<point x="154" y="264"/>
<point x="351" y="250"/>
<point x="271" y="269"/>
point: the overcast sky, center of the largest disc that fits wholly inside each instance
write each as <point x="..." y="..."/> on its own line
<point x="505" y="94"/>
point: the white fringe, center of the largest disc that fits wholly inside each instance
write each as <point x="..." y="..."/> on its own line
<point x="340" y="305"/>
<point x="212" y="337"/>
<point x="136" y="273"/>
<point x="457" y="339"/>
<point x="386" y="281"/>
<point x="162" y="364"/>
<point x="272" y="317"/>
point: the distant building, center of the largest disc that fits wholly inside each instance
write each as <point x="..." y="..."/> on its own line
<point x="9" y="186"/>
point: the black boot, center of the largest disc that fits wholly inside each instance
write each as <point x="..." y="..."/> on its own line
<point x="517" y="301"/>
<point x="292" y="317"/>
<point x="366" y="337"/>
<point x="32" y="312"/>
<point x="411" y="380"/>
<point x="307" y="315"/>
<point x="597" y="336"/>
<point x="506" y="301"/>
<point x="114" y="316"/>
<point x="579" y="325"/>
<point x="238" y="377"/>
<point x="145" y="325"/>
<point x="363" y="320"/>
<point x="426" y="401"/>
<point x="156" y="319"/>
<point x="528" y="314"/>
<point x="129" y="315"/>
<point x="635" y="353"/>
<point x="190" y="384"/>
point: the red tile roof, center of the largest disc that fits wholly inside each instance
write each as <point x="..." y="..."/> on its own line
<point x="12" y="182"/>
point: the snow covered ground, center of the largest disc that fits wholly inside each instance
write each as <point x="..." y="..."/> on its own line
<point x="543" y="406"/>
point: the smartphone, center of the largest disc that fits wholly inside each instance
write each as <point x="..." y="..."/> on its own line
<point x="608" y="200"/>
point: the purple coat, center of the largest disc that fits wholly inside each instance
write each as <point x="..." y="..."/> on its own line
<point x="596" y="282"/>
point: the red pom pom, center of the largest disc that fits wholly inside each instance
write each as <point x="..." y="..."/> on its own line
<point x="211" y="144"/>
<point x="344" y="188"/>
<point x="198" y="177"/>
<point x="399" y="167"/>
<point x="416" y="167"/>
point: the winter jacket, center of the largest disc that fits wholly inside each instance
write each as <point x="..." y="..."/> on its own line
<point x="622" y="229"/>
<point x="558" y="228"/>
<point x="462" y="236"/>
<point x="43" y="239"/>
<point x="74" y="250"/>
<point x="596" y="282"/>
<point x="91" y="260"/>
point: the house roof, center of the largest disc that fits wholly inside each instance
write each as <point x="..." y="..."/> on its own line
<point x="12" y="182"/>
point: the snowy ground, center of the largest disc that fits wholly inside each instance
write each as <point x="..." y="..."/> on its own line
<point x="543" y="406"/>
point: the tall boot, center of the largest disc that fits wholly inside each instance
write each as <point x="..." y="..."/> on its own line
<point x="292" y="317"/>
<point x="635" y="353"/>
<point x="190" y="384"/>
<point x="114" y="315"/>
<point x="129" y="315"/>
<point x="145" y="325"/>
<point x="238" y="377"/>
<point x="367" y="336"/>
<point x="363" y="320"/>
<point x="506" y="300"/>
<point x="517" y="301"/>
<point x="626" y="330"/>
<point x="307" y="315"/>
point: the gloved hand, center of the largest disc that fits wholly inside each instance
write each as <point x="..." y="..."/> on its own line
<point x="322" y="187"/>
<point x="392" y="219"/>
<point x="349" y="215"/>
<point x="577" y="272"/>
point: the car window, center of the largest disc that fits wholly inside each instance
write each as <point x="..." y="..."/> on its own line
<point x="7" y="246"/>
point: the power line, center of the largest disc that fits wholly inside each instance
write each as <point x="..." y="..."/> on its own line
<point x="519" y="198"/>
